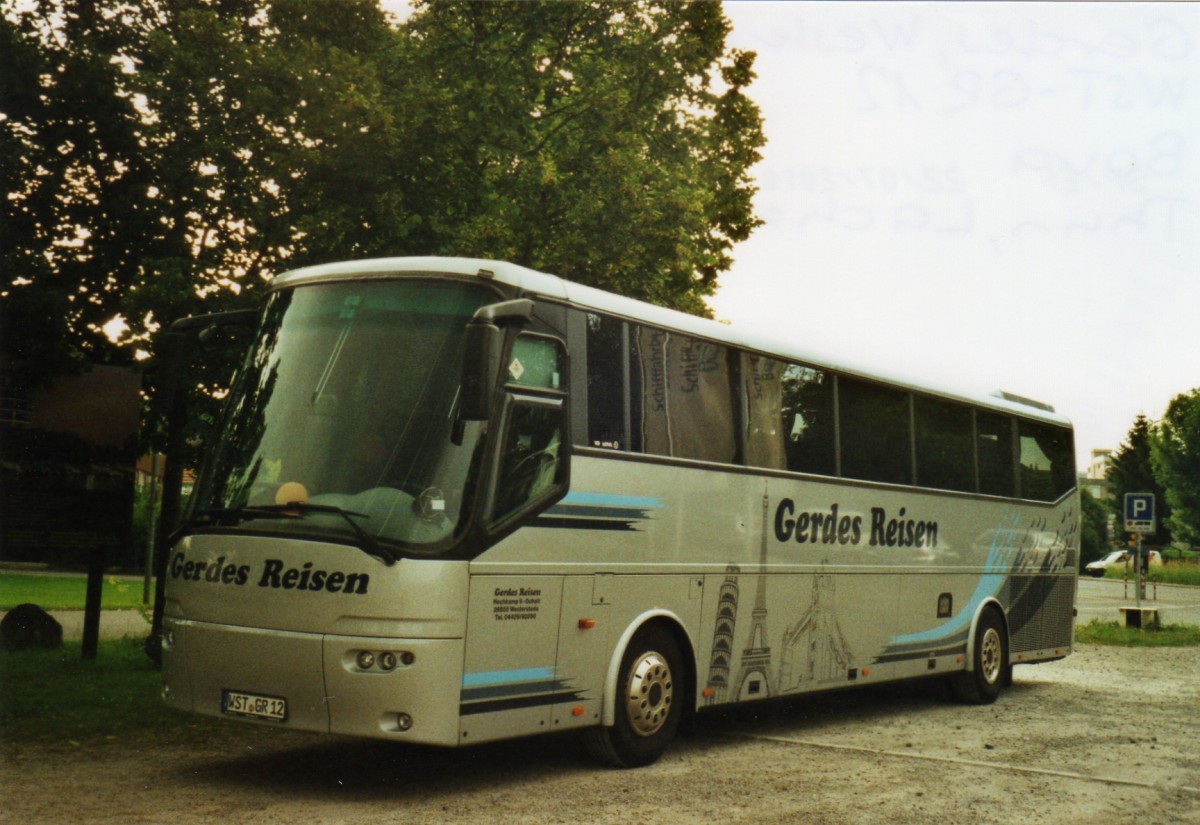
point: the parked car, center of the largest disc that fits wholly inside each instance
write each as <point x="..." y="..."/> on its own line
<point x="1121" y="558"/>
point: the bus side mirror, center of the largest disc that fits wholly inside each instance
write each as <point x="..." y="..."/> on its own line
<point x="483" y="346"/>
<point x="481" y="363"/>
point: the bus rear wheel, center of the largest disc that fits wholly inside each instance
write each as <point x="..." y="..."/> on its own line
<point x="991" y="670"/>
<point x="649" y="702"/>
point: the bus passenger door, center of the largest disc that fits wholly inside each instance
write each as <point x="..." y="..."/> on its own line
<point x="510" y="683"/>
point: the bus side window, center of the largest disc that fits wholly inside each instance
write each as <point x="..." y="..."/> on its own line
<point x="1047" y="461"/>
<point x="810" y="437"/>
<point x="875" y="432"/>
<point x="762" y="378"/>
<point x="686" y="405"/>
<point x="945" y="456"/>
<point x="606" y="382"/>
<point x="994" y="443"/>
<point x="531" y="466"/>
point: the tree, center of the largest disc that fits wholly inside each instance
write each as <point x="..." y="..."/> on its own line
<point x="609" y="143"/>
<point x="1093" y="535"/>
<point x="1130" y="471"/>
<point x="71" y="226"/>
<point x="165" y="159"/>
<point x="261" y="119"/>
<point x="1175" y="455"/>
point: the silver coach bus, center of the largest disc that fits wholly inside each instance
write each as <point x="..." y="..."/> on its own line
<point x="455" y="501"/>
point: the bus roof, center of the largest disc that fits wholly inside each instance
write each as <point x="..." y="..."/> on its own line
<point x="590" y="298"/>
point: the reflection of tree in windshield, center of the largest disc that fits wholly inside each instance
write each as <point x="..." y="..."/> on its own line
<point x="349" y="394"/>
<point x="235" y="463"/>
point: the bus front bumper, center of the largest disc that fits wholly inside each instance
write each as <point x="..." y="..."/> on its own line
<point x="400" y="689"/>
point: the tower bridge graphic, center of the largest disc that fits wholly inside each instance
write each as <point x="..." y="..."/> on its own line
<point x="813" y="650"/>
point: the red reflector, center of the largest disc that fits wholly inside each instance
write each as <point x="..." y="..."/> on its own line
<point x="587" y="624"/>
<point x="577" y="711"/>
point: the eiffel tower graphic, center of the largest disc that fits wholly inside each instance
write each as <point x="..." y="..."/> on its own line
<point x="753" y="678"/>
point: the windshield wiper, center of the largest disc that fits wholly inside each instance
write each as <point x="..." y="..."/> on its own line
<point x="367" y="542"/>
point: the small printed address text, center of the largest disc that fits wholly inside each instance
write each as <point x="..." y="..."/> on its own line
<point x="515" y="603"/>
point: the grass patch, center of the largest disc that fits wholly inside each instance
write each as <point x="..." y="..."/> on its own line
<point x="51" y="592"/>
<point x="55" y="697"/>
<point x="1100" y="632"/>
<point x="1177" y="572"/>
<point x="1174" y="573"/>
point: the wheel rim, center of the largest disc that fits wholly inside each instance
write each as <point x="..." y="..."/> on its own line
<point x="991" y="652"/>
<point x="651" y="690"/>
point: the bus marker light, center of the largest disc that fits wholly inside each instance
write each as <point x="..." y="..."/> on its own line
<point x="407" y="658"/>
<point x="866" y="672"/>
<point x="387" y="660"/>
<point x="587" y="624"/>
<point x="403" y="721"/>
<point x="577" y="711"/>
<point x="365" y="659"/>
<point x="707" y="693"/>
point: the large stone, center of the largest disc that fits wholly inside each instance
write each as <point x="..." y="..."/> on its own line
<point x="27" y="626"/>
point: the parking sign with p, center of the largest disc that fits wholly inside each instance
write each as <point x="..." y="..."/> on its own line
<point x="1139" y="512"/>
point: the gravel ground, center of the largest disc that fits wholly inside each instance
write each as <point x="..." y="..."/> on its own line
<point x="1109" y="735"/>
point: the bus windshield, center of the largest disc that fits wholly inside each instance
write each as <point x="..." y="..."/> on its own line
<point x="346" y="404"/>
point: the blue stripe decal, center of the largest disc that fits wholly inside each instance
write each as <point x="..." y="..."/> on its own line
<point x="995" y="574"/>
<point x="606" y="500"/>
<point x="502" y="677"/>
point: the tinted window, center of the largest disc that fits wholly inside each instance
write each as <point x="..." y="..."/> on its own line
<point x="606" y="383"/>
<point x="995" y="447"/>
<point x="686" y="404"/>
<point x="945" y="455"/>
<point x="810" y="437"/>
<point x="1047" y="461"/>
<point x="536" y="362"/>
<point x="530" y="467"/>
<point x="875" y="432"/>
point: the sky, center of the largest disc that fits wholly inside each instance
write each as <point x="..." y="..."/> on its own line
<point x="985" y="196"/>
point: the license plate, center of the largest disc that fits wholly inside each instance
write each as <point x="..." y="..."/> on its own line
<point x="252" y="704"/>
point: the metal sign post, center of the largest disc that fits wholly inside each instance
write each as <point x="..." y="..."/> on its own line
<point x="1139" y="519"/>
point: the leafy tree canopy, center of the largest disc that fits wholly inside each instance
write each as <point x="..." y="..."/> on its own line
<point x="1093" y="519"/>
<point x="162" y="159"/>
<point x="1130" y="471"/>
<point x="1175" y="454"/>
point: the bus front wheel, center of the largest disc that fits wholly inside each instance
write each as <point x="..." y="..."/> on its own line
<point x="649" y="702"/>
<point x="982" y="684"/>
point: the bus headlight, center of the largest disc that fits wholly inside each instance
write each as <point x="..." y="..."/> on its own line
<point x="377" y="661"/>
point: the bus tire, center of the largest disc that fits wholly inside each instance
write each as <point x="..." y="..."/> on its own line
<point x="649" y="702"/>
<point x="982" y="684"/>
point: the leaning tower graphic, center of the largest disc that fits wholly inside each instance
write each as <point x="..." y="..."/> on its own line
<point x="722" y="648"/>
<point x="753" y="679"/>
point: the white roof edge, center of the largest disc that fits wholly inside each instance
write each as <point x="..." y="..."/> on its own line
<point x="586" y="297"/>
